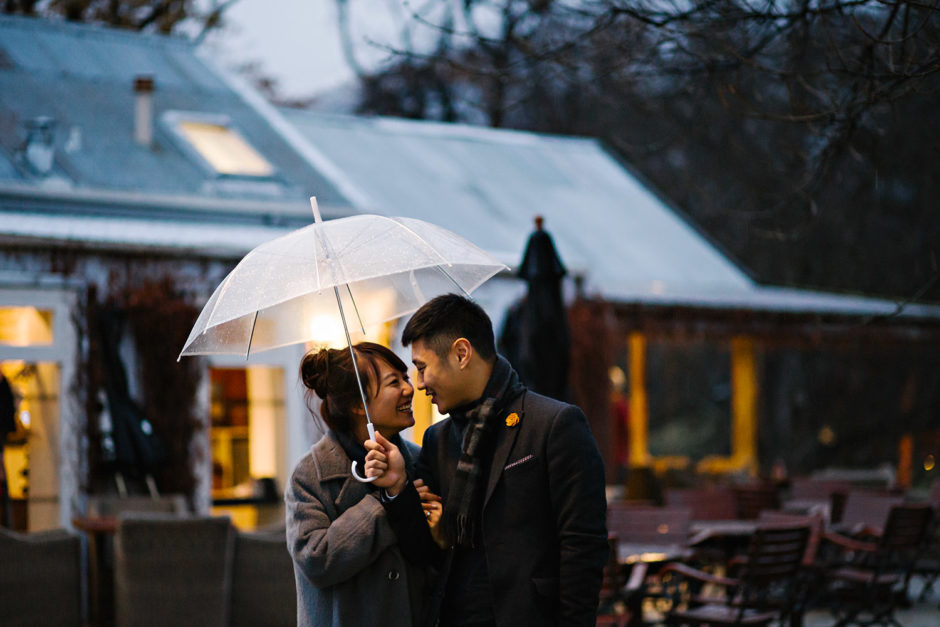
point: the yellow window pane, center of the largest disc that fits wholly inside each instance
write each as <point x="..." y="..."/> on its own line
<point x="224" y="149"/>
<point x="25" y="326"/>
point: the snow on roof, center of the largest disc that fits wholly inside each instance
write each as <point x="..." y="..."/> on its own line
<point x="487" y="185"/>
<point x="209" y="239"/>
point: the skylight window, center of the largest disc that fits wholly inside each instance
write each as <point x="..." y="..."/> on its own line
<point x="220" y="147"/>
<point x="225" y="150"/>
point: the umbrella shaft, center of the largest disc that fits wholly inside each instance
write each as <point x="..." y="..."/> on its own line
<point x="352" y="353"/>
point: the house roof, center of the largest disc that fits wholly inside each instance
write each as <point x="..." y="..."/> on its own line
<point x="103" y="189"/>
<point x="487" y="184"/>
<point x="78" y="80"/>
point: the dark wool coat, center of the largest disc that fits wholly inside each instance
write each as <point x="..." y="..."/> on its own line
<point x="544" y="528"/>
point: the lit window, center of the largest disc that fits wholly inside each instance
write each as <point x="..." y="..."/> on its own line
<point x="25" y="326"/>
<point x="224" y="149"/>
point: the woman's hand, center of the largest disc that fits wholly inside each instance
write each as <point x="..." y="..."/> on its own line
<point x="433" y="510"/>
<point x="384" y="460"/>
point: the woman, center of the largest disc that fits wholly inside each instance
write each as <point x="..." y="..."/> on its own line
<point x="348" y="565"/>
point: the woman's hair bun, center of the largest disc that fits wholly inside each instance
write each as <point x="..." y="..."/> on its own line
<point x="315" y="370"/>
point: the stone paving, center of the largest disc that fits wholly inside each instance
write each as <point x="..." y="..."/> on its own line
<point x="923" y="614"/>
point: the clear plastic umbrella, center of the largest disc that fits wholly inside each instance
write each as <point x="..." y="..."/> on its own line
<point x="364" y="269"/>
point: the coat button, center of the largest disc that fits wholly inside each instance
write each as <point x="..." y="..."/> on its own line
<point x="393" y="575"/>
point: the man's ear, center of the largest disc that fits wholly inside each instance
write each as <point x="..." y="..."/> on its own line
<point x="463" y="349"/>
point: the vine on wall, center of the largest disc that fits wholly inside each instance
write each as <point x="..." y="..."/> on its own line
<point x="156" y="317"/>
<point x="160" y="319"/>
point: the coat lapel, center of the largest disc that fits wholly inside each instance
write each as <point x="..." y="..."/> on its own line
<point x="505" y="439"/>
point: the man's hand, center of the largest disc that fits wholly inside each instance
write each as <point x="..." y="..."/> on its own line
<point x="433" y="510"/>
<point x="384" y="460"/>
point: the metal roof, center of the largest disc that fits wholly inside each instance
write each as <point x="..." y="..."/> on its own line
<point x="487" y="184"/>
<point x="82" y="78"/>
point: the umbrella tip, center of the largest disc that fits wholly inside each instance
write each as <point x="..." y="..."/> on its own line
<point x="539" y="221"/>
<point x="316" y="210"/>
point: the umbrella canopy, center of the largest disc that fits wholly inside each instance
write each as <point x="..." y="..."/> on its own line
<point x="535" y="337"/>
<point x="367" y="268"/>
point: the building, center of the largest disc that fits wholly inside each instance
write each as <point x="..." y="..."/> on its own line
<point x="134" y="175"/>
<point x="131" y="171"/>
<point x="655" y="290"/>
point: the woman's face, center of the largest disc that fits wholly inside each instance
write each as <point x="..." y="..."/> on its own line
<point x="390" y="406"/>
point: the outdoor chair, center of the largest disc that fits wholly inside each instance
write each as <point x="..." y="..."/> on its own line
<point x="612" y="604"/>
<point x="621" y="595"/>
<point x="828" y="492"/>
<point x="865" y="513"/>
<point x="812" y="572"/>
<point x="648" y="524"/>
<point x="762" y="587"/>
<point x="40" y="578"/>
<point x="264" y="593"/>
<point x="705" y="503"/>
<point x="170" y="570"/>
<point x="651" y="533"/>
<point x="808" y="488"/>
<point x="101" y="545"/>
<point x="870" y="582"/>
<point x="927" y="565"/>
<point x="751" y="499"/>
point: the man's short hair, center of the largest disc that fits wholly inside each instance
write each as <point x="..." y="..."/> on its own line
<point x="446" y="318"/>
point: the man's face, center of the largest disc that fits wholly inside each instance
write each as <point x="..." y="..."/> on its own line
<point x="439" y="377"/>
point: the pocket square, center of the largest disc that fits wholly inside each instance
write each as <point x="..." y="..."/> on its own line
<point x="522" y="460"/>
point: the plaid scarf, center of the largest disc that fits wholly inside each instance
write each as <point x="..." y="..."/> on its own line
<point x="465" y="500"/>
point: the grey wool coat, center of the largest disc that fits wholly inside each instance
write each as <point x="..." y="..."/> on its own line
<point x="348" y="567"/>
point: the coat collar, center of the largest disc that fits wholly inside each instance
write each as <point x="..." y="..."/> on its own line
<point x="330" y="458"/>
<point x="333" y="463"/>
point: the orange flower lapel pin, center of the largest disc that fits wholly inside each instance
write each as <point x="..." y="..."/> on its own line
<point x="512" y="419"/>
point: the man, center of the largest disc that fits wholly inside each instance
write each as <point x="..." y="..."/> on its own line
<point x="520" y="477"/>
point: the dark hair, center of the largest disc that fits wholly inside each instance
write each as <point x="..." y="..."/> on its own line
<point x="328" y="373"/>
<point x="446" y="318"/>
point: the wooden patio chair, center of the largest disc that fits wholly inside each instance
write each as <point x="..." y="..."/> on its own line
<point x="612" y="609"/>
<point x="101" y="545"/>
<point x="808" y="488"/>
<point x="40" y="578"/>
<point x="264" y="593"/>
<point x="705" y="503"/>
<point x="751" y="499"/>
<point x="648" y="524"/>
<point x="871" y="583"/>
<point x="865" y="512"/>
<point x="829" y="492"/>
<point x="172" y="571"/>
<point x="927" y="565"/>
<point x="647" y="527"/>
<point x="763" y="589"/>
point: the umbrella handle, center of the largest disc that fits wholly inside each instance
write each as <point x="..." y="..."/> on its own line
<point x="359" y="478"/>
<point x="353" y="469"/>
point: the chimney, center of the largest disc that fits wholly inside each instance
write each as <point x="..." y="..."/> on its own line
<point x="143" y="110"/>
